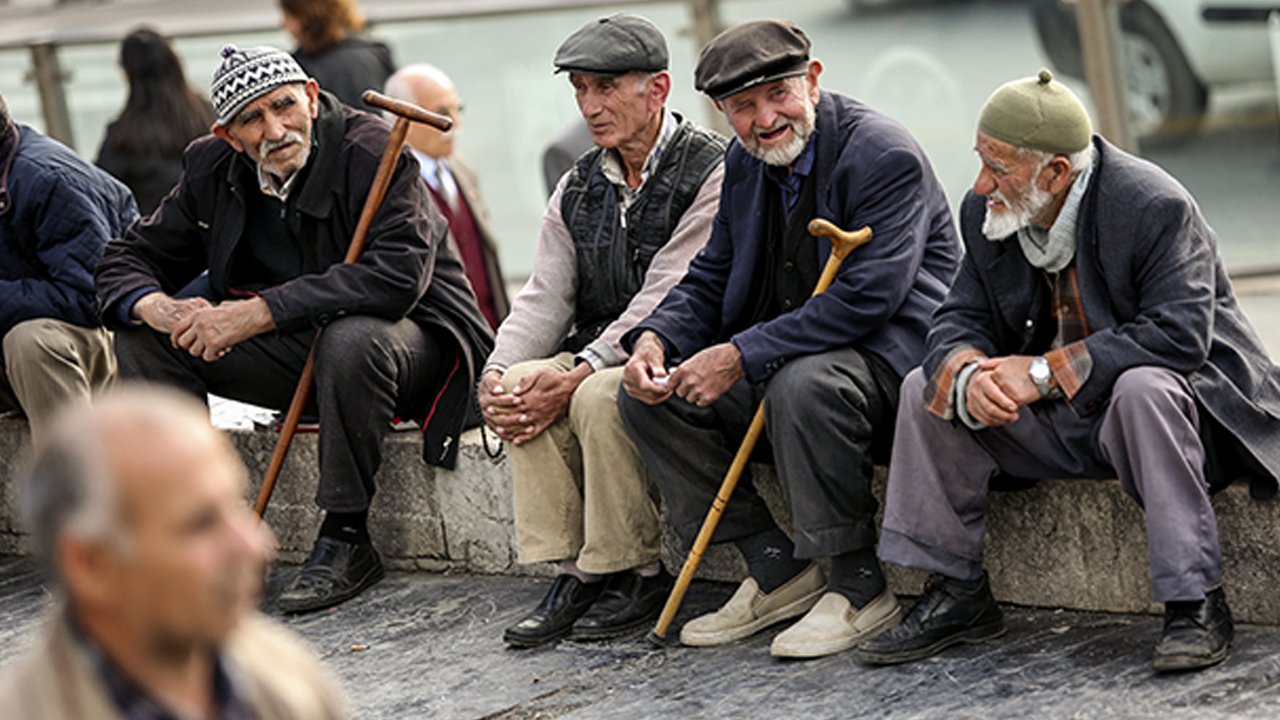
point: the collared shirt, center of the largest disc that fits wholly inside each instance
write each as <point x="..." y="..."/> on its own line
<point x="615" y="173"/>
<point x="436" y="174"/>
<point x="134" y="703"/>
<point x="272" y="187"/>
<point x="791" y="180"/>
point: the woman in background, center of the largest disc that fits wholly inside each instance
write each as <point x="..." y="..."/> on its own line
<point x="143" y="145"/>
<point x="333" y="49"/>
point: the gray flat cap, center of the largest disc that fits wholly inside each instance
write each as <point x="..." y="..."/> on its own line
<point x="751" y="54"/>
<point x="614" y="45"/>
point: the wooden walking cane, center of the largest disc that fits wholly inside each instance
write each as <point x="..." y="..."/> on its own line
<point x="405" y="113"/>
<point x="842" y="243"/>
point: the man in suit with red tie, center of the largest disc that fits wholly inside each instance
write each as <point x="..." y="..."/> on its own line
<point x="453" y="184"/>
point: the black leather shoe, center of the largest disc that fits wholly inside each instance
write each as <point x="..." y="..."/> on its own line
<point x="335" y="572"/>
<point x="945" y="615"/>
<point x="628" y="602"/>
<point x="565" y="602"/>
<point x="1196" y="634"/>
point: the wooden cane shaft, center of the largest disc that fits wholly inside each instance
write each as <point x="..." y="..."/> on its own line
<point x="842" y="243"/>
<point x="372" y="201"/>
<point x="287" y="431"/>
<point x="709" y="524"/>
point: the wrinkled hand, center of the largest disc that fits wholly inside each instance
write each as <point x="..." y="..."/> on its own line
<point x="497" y="406"/>
<point x="210" y="333"/>
<point x="163" y="313"/>
<point x="703" y="378"/>
<point x="645" y="376"/>
<point x="538" y="399"/>
<point x="999" y="388"/>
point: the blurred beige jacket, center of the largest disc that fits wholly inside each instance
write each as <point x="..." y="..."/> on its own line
<point x="279" y="678"/>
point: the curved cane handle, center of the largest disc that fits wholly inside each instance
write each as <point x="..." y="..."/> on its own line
<point x="407" y="110"/>
<point x="843" y="242"/>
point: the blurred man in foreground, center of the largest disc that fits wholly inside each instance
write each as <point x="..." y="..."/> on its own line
<point x="137" y="507"/>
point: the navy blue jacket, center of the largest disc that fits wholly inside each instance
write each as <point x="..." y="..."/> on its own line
<point x="869" y="171"/>
<point x="57" y="212"/>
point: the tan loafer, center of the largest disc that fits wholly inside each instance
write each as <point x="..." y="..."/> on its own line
<point x="834" y="625"/>
<point x="750" y="610"/>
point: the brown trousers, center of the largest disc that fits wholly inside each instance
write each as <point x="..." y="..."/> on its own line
<point x="581" y="491"/>
<point x="49" y="363"/>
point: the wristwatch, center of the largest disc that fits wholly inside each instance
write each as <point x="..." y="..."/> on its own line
<point x="1040" y="375"/>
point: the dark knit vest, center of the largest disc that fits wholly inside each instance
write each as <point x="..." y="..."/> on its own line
<point x="614" y="256"/>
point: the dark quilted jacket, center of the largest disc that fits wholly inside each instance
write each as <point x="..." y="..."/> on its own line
<point x="57" y="212"/>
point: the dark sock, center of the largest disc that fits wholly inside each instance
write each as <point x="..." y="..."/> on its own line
<point x="857" y="576"/>
<point x="770" y="557"/>
<point x="968" y="586"/>
<point x="352" y="527"/>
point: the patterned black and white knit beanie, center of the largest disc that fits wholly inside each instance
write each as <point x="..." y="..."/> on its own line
<point x="245" y="74"/>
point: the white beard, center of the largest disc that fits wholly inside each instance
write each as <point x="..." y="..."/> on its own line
<point x="786" y="154"/>
<point x="998" y="225"/>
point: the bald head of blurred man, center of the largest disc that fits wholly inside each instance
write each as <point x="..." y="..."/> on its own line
<point x="428" y="86"/>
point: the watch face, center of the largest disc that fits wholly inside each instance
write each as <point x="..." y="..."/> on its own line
<point x="1039" y="370"/>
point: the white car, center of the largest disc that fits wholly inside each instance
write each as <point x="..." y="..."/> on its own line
<point x="1175" y="53"/>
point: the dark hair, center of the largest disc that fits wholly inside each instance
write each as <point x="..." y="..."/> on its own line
<point x="322" y="23"/>
<point x="162" y="113"/>
<point x="5" y="121"/>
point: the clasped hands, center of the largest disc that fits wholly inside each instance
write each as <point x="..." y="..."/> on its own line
<point x="999" y="388"/>
<point x="700" y="380"/>
<point x="205" y="330"/>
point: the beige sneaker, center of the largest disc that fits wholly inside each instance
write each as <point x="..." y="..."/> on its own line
<point x="750" y="610"/>
<point x="833" y="625"/>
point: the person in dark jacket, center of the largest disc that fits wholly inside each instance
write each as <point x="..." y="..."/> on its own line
<point x="143" y="146"/>
<point x="333" y="49"/>
<point x="57" y="212"/>
<point x="741" y="326"/>
<point x="1091" y="332"/>
<point x="268" y="208"/>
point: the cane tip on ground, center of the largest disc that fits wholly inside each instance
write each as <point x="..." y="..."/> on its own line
<point x="660" y="641"/>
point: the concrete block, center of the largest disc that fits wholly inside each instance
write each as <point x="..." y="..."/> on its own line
<point x="1078" y="544"/>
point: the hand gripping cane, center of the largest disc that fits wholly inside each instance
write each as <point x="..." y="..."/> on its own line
<point x="405" y="113"/>
<point x="842" y="243"/>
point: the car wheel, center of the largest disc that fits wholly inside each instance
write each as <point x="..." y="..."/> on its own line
<point x="1166" y="100"/>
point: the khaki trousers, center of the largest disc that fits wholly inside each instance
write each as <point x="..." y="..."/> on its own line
<point x="48" y="363"/>
<point x="580" y="488"/>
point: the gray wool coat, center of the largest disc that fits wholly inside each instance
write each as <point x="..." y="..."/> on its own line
<point x="1154" y="293"/>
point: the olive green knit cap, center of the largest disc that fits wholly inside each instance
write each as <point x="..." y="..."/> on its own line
<point x="1037" y="113"/>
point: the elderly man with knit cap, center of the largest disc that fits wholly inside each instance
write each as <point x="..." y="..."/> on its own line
<point x="741" y="327"/>
<point x="1091" y="332"/>
<point x="619" y="231"/>
<point x="267" y="206"/>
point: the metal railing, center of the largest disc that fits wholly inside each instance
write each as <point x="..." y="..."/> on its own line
<point x="51" y="80"/>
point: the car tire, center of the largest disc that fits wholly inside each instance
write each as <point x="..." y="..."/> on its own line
<point x="1167" y="102"/>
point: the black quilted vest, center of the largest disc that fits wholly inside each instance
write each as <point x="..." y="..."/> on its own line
<point x="613" y="256"/>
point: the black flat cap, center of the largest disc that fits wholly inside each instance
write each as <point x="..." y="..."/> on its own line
<point x="751" y="54"/>
<point x="614" y="45"/>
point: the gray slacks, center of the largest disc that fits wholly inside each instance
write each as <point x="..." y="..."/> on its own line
<point x="1147" y="436"/>
<point x="825" y="414"/>
<point x="368" y="371"/>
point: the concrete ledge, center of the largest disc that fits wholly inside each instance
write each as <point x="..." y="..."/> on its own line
<point x="1076" y="544"/>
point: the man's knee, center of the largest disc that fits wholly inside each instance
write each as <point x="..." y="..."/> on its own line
<point x="31" y="341"/>
<point x="817" y="380"/>
<point x="1151" y="389"/>
<point x="597" y="396"/>
<point x="354" y="344"/>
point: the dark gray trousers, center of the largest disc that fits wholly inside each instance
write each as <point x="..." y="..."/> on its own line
<point x="824" y="414"/>
<point x="1148" y="436"/>
<point x="368" y="371"/>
